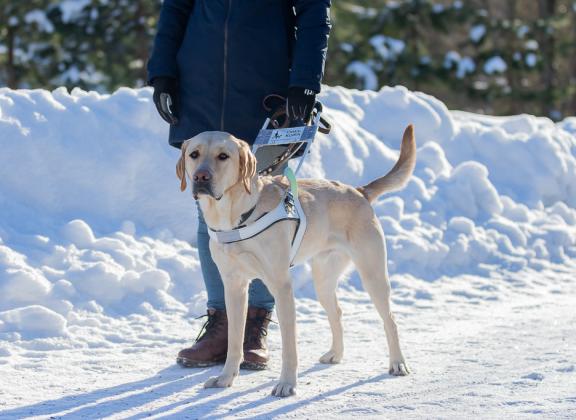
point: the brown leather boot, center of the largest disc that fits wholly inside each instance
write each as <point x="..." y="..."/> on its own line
<point x="211" y="344"/>
<point x="255" y="345"/>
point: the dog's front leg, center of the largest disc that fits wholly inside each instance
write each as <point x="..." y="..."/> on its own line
<point x="286" y="311"/>
<point x="236" y="297"/>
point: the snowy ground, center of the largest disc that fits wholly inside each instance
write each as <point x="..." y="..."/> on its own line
<point x="469" y="356"/>
<point x="99" y="282"/>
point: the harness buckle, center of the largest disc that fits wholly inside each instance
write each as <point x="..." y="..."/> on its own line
<point x="289" y="205"/>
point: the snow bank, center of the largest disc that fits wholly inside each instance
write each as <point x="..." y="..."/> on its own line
<point x="92" y="220"/>
<point x="33" y="322"/>
<point x="103" y="159"/>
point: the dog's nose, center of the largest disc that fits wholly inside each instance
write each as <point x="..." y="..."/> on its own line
<point x="202" y="176"/>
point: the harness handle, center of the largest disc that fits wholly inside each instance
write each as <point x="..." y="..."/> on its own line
<point x="279" y="118"/>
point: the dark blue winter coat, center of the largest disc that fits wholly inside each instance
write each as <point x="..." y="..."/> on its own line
<point x="229" y="54"/>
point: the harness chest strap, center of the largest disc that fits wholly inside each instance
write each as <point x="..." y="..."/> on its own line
<point x="289" y="208"/>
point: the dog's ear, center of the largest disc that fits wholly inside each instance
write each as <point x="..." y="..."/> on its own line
<point x="181" y="167"/>
<point x="247" y="165"/>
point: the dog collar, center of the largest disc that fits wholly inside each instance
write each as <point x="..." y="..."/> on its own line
<point x="289" y="208"/>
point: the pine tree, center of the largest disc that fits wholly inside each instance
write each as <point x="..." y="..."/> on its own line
<point x="25" y="43"/>
<point x="405" y="42"/>
<point x="88" y="43"/>
<point x="570" y="50"/>
<point x="483" y="55"/>
<point x="106" y="44"/>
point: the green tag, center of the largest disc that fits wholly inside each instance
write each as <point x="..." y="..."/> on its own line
<point x="289" y="173"/>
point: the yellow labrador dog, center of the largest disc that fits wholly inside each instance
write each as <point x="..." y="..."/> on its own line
<point x="342" y="228"/>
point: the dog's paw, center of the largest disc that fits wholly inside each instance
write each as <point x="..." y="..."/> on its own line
<point x="284" y="389"/>
<point x="331" y="358"/>
<point x="398" y="369"/>
<point x="219" y="382"/>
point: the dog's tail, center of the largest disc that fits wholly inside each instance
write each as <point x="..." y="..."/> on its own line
<point x="399" y="175"/>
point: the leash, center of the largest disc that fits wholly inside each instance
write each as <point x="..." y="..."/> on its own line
<point x="277" y="131"/>
<point x="279" y="112"/>
<point x="303" y="222"/>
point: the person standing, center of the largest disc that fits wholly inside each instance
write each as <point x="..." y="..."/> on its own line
<point x="212" y="64"/>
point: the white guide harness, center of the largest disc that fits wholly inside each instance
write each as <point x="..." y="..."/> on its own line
<point x="289" y="207"/>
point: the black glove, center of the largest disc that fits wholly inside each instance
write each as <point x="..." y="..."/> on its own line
<point x="299" y="105"/>
<point x="166" y="98"/>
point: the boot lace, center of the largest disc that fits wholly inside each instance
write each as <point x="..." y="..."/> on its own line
<point x="208" y="328"/>
<point x="256" y="330"/>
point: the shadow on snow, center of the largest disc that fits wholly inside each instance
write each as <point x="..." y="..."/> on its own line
<point x="170" y="381"/>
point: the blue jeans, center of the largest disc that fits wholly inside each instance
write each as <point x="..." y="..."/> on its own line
<point x="259" y="296"/>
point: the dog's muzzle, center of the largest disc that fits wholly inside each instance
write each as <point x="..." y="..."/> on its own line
<point x="202" y="183"/>
<point x="202" y="188"/>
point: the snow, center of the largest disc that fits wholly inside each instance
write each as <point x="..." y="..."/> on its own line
<point x="532" y="44"/>
<point x="388" y="48"/>
<point x="71" y="8"/>
<point x="464" y="65"/>
<point x="100" y="280"/>
<point x="522" y="31"/>
<point x="33" y="321"/>
<point x="438" y="8"/>
<point x="39" y="17"/>
<point x="364" y="72"/>
<point x="531" y="59"/>
<point x="346" y="47"/>
<point x="495" y="64"/>
<point x="477" y="32"/>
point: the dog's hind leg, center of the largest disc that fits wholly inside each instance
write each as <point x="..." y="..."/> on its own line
<point x="326" y="270"/>
<point x="368" y="251"/>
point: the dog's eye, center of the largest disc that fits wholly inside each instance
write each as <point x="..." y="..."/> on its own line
<point x="223" y="156"/>
<point x="194" y="154"/>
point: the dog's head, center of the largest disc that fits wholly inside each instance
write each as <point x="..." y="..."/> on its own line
<point x="215" y="162"/>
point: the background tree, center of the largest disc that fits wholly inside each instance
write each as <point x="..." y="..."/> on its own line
<point x="104" y="44"/>
<point x="492" y="56"/>
<point x="26" y="42"/>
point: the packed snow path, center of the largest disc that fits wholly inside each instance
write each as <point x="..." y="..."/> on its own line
<point x="469" y="356"/>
